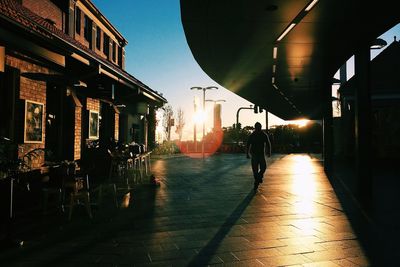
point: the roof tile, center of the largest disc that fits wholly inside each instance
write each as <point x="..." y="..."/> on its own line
<point x="13" y="11"/>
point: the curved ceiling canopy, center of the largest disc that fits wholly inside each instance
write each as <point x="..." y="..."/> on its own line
<point x="281" y="55"/>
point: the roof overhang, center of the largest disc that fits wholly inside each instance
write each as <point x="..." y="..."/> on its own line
<point x="57" y="47"/>
<point x="234" y="41"/>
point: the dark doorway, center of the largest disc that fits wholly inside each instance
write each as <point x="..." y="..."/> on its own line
<point x="123" y="128"/>
<point x="9" y="86"/>
<point x="60" y="115"/>
<point x="107" y="123"/>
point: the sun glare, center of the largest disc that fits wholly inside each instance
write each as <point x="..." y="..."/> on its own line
<point x="301" y="123"/>
<point x="199" y="117"/>
<point x="304" y="185"/>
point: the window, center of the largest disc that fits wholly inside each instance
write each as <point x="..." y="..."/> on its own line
<point x="78" y="20"/>
<point x="120" y="56"/>
<point x="87" y="30"/>
<point x="114" y="51"/>
<point x="98" y="38"/>
<point x="106" y="45"/>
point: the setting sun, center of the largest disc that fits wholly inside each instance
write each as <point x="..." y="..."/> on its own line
<point x="301" y="123"/>
<point x="199" y="117"/>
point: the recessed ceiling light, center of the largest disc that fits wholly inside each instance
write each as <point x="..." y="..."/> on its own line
<point x="311" y="5"/>
<point x="288" y="29"/>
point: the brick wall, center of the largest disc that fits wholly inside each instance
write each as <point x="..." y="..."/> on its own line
<point x="100" y="51"/>
<point x="30" y="90"/>
<point x="46" y="9"/>
<point x="78" y="133"/>
<point x="116" y="130"/>
<point x="93" y="104"/>
<point x="80" y="37"/>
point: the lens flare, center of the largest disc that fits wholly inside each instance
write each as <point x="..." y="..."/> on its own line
<point x="212" y="143"/>
<point x="301" y="123"/>
<point x="199" y="117"/>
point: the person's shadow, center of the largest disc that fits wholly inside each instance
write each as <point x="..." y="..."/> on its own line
<point x="207" y="252"/>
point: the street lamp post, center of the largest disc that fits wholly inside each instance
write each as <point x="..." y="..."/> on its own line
<point x="215" y="101"/>
<point x="237" y="114"/>
<point x="195" y="130"/>
<point x="204" y="108"/>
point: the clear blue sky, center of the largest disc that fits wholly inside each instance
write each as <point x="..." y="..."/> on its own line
<point x="157" y="54"/>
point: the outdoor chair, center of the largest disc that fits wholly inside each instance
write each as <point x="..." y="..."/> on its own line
<point x="77" y="186"/>
<point x="53" y="187"/>
<point x="99" y="173"/>
<point x="120" y="164"/>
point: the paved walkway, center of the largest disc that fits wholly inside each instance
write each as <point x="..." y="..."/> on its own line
<point x="206" y="213"/>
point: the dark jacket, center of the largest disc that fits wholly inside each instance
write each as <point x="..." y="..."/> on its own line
<point x="258" y="144"/>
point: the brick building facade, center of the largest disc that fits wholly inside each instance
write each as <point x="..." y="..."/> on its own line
<point x="64" y="62"/>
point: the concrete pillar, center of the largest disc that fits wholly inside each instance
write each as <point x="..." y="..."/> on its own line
<point x="195" y="128"/>
<point x="146" y="129"/>
<point x="343" y="74"/>
<point x="363" y="125"/>
<point x="121" y="56"/>
<point x="93" y="37"/>
<point x="151" y="128"/>
<point x="2" y="58"/>
<point x="327" y="128"/>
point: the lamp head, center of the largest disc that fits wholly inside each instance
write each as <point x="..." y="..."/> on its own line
<point x="378" y="43"/>
<point x="203" y="88"/>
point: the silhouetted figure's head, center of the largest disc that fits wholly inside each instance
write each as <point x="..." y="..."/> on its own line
<point x="257" y="126"/>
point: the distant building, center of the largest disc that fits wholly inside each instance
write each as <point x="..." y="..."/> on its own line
<point x="217" y="117"/>
<point x="63" y="81"/>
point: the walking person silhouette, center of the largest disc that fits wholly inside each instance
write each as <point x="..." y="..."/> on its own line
<point x="257" y="146"/>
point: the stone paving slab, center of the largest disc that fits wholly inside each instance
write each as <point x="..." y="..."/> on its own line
<point x="205" y="212"/>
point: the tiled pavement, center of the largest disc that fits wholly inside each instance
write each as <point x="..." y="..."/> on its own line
<point x="205" y="213"/>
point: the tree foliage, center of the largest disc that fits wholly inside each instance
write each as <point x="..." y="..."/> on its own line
<point x="236" y="134"/>
<point x="284" y="138"/>
<point x="292" y="138"/>
<point x="180" y="123"/>
<point x="167" y="121"/>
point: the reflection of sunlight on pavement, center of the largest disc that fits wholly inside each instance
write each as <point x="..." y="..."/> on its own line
<point x="158" y="167"/>
<point x="160" y="171"/>
<point x="303" y="184"/>
<point x="302" y="164"/>
<point x="304" y="207"/>
<point x="306" y="226"/>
